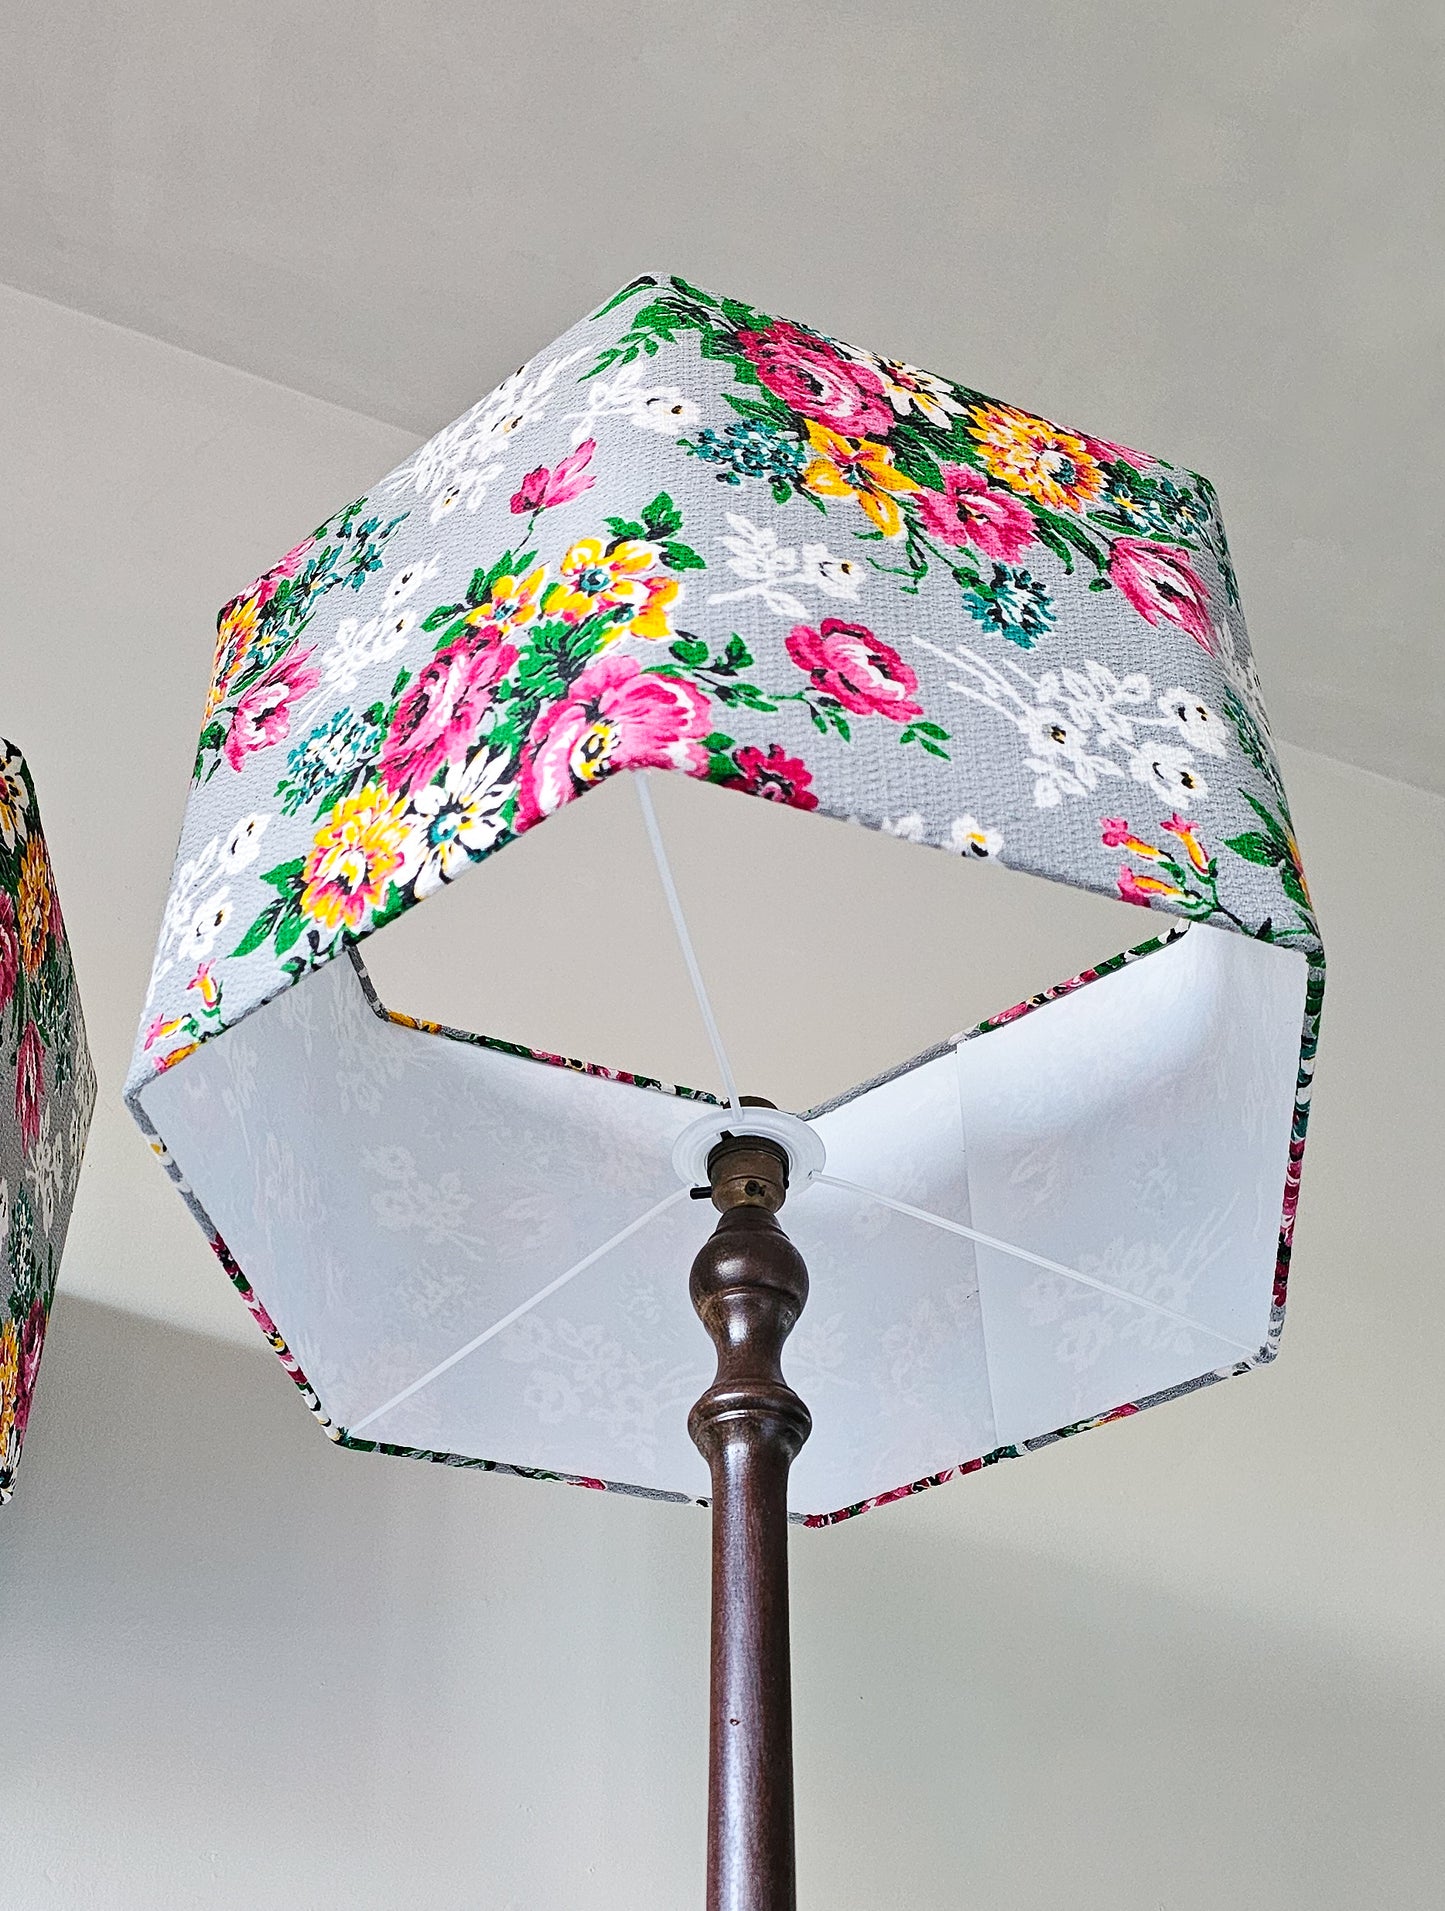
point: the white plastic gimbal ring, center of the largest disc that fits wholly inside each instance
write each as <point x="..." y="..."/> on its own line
<point x="802" y="1144"/>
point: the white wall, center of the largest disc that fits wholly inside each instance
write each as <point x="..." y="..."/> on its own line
<point x="1194" y="1660"/>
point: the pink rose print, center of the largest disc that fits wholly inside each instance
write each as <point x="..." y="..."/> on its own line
<point x="864" y="674"/>
<point x="1012" y="1014"/>
<point x="1107" y="452"/>
<point x="9" y="951"/>
<point x="969" y="511"/>
<point x="1188" y="834"/>
<point x="811" y="377"/>
<point x="1294" y="1170"/>
<point x="1162" y="584"/>
<point x="30" y="1086"/>
<point x="1130" y="890"/>
<point x="262" y="1319"/>
<point x="441" y="713"/>
<point x="541" y="489"/>
<point x="779" y="778"/>
<point x="32" y="1340"/>
<point x="267" y="584"/>
<point x="263" y="714"/>
<point x="616" y="716"/>
<point x="161" y="1028"/>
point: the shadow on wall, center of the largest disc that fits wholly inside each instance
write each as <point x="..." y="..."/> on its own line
<point x="242" y="1669"/>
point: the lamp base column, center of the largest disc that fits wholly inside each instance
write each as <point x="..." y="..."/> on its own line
<point x="749" y="1285"/>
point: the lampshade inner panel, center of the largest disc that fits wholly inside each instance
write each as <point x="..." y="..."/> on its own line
<point x="399" y="1199"/>
<point x="830" y="953"/>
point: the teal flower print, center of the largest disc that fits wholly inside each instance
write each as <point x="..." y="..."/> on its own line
<point x="1014" y="604"/>
<point x="20" y="1251"/>
<point x="751" y="449"/>
<point x="334" y="750"/>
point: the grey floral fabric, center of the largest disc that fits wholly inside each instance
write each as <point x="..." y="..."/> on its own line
<point x="47" y="1092"/>
<point x="693" y="536"/>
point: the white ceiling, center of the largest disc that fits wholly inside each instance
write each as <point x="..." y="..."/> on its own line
<point x="1214" y="231"/>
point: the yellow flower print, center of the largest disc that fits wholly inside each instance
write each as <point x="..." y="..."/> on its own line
<point x="176" y="1055"/>
<point x="1297" y="862"/>
<point x="207" y="987"/>
<point x="35" y="900"/>
<point x="162" y="1028"/>
<point x="9" y="1382"/>
<point x="1135" y="888"/>
<point x="511" y="601"/>
<point x="1136" y="847"/>
<point x="628" y="579"/>
<point x="1051" y="466"/>
<point x="354" y="855"/>
<point x="14" y="800"/>
<point x="857" y="468"/>
<point x="235" y="634"/>
<point x="652" y="620"/>
<point x="412" y="1021"/>
<point x="1188" y="834"/>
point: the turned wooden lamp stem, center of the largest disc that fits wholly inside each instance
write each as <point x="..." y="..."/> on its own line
<point x="749" y="1285"/>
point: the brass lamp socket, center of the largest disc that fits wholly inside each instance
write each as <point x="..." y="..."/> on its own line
<point x="747" y="1171"/>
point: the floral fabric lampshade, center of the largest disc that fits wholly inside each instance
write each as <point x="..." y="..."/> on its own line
<point x="990" y="678"/>
<point x="47" y="1092"/>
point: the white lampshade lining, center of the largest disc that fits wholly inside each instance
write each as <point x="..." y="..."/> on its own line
<point x="402" y="1198"/>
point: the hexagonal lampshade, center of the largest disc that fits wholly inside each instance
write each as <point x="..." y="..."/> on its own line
<point x="991" y="678"/>
<point x="47" y="1092"/>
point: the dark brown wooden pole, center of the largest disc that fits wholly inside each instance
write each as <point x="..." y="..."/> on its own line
<point x="749" y="1285"/>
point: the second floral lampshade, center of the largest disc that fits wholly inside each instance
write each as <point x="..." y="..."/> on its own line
<point x="690" y="554"/>
<point x="47" y="1092"/>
